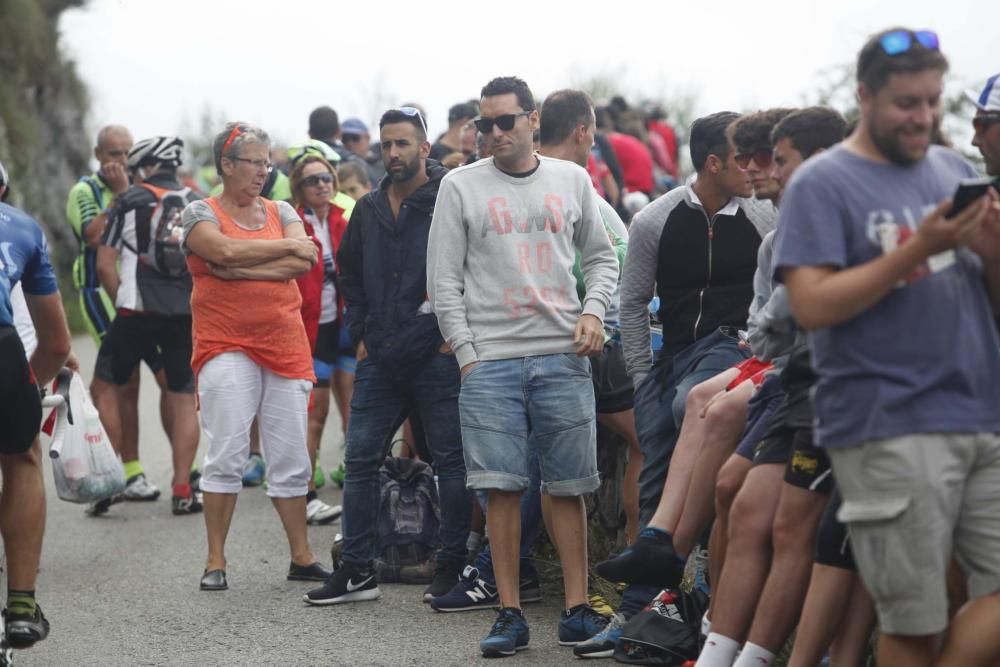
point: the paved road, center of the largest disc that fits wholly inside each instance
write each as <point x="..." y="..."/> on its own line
<point x="123" y="589"/>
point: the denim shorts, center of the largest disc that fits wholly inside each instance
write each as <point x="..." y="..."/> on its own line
<point x="510" y="407"/>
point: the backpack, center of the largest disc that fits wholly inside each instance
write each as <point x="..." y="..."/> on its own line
<point x="666" y="632"/>
<point x="159" y="242"/>
<point x="408" y="521"/>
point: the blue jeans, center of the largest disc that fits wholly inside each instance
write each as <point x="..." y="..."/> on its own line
<point x="514" y="410"/>
<point x="659" y="412"/>
<point x="380" y="404"/>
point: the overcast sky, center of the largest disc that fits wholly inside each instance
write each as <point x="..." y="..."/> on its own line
<point x="154" y="66"/>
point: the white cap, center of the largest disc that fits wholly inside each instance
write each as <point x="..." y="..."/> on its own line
<point x="988" y="98"/>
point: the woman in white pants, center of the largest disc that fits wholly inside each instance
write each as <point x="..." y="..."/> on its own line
<point x="251" y="355"/>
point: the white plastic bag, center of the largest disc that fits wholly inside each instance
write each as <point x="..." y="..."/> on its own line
<point x="85" y="466"/>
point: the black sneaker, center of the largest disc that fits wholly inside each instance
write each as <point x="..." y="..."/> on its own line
<point x="444" y="580"/>
<point x="649" y="561"/>
<point x="186" y="504"/>
<point x="102" y="506"/>
<point x="347" y="584"/>
<point x="24" y="631"/>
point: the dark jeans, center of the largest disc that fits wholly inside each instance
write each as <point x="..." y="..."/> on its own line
<point x="381" y="402"/>
<point x="531" y="524"/>
<point x="659" y="413"/>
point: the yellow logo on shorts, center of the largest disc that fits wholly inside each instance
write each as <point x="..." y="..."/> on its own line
<point x="804" y="463"/>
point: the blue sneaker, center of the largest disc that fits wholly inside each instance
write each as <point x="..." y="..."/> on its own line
<point x="508" y="635"/>
<point x="602" y="645"/>
<point x="579" y="624"/>
<point x="254" y="470"/>
<point x="471" y="592"/>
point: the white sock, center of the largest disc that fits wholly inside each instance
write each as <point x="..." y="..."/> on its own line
<point x="719" y="651"/>
<point x="706" y="625"/>
<point x="754" y="656"/>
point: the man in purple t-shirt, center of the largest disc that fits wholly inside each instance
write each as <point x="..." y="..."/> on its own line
<point x="891" y="290"/>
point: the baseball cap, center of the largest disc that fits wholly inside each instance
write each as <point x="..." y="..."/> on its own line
<point x="353" y="126"/>
<point x="987" y="98"/>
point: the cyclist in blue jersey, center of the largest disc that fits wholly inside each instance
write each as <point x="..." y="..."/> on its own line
<point x="24" y="259"/>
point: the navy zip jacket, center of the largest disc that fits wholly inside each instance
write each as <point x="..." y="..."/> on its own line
<point x="382" y="266"/>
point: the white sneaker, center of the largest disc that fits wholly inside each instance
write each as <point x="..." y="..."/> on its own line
<point x="139" y="488"/>
<point x="318" y="512"/>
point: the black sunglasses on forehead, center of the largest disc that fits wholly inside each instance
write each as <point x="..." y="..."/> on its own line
<point x="504" y="122"/>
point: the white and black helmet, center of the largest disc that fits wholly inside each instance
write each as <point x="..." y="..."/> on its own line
<point x="156" y="150"/>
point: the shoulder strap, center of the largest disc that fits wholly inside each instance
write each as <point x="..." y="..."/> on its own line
<point x="95" y="189"/>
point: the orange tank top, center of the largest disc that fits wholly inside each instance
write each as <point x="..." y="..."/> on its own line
<point x="260" y="318"/>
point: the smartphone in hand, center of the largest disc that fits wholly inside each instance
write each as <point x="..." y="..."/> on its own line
<point x="969" y="190"/>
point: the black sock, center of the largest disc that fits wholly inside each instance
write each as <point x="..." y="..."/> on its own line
<point x="310" y="496"/>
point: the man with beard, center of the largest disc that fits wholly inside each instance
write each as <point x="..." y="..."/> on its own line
<point x="987" y="125"/>
<point x="403" y="362"/>
<point x="896" y="293"/>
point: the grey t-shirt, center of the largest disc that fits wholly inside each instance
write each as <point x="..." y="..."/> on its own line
<point x="924" y="359"/>
<point x="200" y="210"/>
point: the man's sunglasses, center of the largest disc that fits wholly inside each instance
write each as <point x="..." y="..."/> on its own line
<point x="411" y="112"/>
<point x="761" y="157"/>
<point x="983" y="122"/>
<point x="316" y="179"/>
<point x="900" y="41"/>
<point x="504" y="122"/>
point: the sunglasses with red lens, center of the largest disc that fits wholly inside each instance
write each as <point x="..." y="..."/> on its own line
<point x="760" y="156"/>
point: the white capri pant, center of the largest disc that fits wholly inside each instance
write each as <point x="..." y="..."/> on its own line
<point x="232" y="390"/>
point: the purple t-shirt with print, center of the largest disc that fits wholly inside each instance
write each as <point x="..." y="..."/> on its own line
<point x="924" y="359"/>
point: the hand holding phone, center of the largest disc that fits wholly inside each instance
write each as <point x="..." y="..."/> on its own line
<point x="969" y="190"/>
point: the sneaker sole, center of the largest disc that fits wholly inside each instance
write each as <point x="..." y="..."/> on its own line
<point x="603" y="653"/>
<point x="357" y="596"/>
<point x="475" y="607"/>
<point x="322" y="522"/>
<point x="497" y="653"/>
<point x="141" y="499"/>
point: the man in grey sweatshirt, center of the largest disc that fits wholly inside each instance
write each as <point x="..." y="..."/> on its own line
<point x="500" y="261"/>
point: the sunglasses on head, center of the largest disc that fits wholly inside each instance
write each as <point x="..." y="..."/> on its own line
<point x="983" y="122"/>
<point x="316" y="179"/>
<point x="413" y="111"/>
<point x="760" y="156"/>
<point x="504" y="122"/>
<point x="900" y="41"/>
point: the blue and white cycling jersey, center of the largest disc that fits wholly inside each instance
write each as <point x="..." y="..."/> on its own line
<point x="24" y="258"/>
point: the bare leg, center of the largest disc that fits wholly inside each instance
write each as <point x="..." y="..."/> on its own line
<point x="255" y="438"/>
<point x="317" y="421"/>
<point x="343" y="389"/>
<point x="855" y="629"/>
<point x="293" y="517"/>
<point x="748" y="553"/>
<point x="687" y="451"/>
<point x="166" y="407"/>
<point x="973" y="640"/>
<point x="730" y="480"/>
<point x="186" y="433"/>
<point x="503" y="520"/>
<point x="569" y="527"/>
<point x="219" y="508"/>
<point x="22" y="515"/>
<point x="623" y="424"/>
<point x="830" y="590"/>
<point x="725" y="419"/>
<point x="106" y="399"/>
<point x="128" y="410"/>
<point x="909" y="651"/>
<point x="794" y="538"/>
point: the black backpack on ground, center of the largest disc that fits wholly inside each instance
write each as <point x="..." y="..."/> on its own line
<point x="408" y="521"/>
<point x="665" y="632"/>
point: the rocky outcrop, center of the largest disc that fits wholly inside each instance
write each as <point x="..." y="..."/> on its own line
<point x="43" y="105"/>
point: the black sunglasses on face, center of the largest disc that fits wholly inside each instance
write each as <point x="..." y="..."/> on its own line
<point x="316" y="179"/>
<point x="504" y="122"/>
<point x="760" y="156"/>
<point x="983" y="122"/>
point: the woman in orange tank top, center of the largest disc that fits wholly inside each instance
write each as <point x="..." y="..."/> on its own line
<point x="251" y="354"/>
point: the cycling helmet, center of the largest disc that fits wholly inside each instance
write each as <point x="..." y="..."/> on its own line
<point x="312" y="147"/>
<point x="156" y="150"/>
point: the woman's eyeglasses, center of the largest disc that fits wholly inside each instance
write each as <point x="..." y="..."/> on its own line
<point x="257" y="164"/>
<point x="316" y="179"/>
